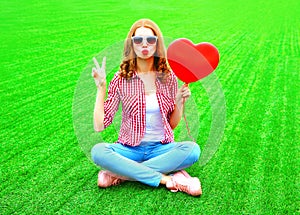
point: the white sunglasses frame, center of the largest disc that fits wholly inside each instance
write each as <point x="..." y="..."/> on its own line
<point x="144" y="38"/>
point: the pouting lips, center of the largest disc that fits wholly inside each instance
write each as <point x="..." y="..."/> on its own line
<point x="145" y="52"/>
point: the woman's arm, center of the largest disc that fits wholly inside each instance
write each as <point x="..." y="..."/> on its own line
<point x="99" y="76"/>
<point x="176" y="116"/>
<point x="181" y="96"/>
<point x="99" y="109"/>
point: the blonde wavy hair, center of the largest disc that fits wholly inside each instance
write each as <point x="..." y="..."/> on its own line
<point x="128" y="65"/>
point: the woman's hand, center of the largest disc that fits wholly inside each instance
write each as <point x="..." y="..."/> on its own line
<point x="182" y="95"/>
<point x="99" y="74"/>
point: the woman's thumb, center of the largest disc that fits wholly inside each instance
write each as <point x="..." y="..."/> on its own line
<point x="94" y="72"/>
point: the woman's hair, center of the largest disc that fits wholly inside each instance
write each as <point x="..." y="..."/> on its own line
<point x="128" y="65"/>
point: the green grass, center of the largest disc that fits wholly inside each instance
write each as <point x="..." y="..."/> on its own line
<point x="46" y="47"/>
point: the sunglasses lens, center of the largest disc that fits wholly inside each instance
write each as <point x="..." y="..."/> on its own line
<point x="137" y="40"/>
<point x="151" y="40"/>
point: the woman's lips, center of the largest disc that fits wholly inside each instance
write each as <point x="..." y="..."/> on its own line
<point x="145" y="51"/>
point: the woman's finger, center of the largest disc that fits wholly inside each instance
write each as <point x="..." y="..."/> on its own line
<point x="103" y="66"/>
<point x="184" y="86"/>
<point x="94" y="72"/>
<point x="185" y="90"/>
<point x="186" y="95"/>
<point x="96" y="63"/>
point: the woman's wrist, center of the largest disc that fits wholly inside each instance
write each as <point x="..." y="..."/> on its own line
<point x="101" y="85"/>
<point x="179" y="102"/>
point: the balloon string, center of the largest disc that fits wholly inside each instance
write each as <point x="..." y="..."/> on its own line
<point x="186" y="123"/>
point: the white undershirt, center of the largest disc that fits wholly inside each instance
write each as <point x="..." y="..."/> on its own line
<point x="154" y="123"/>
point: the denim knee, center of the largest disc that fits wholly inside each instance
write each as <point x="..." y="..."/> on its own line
<point x="97" y="153"/>
<point x="194" y="151"/>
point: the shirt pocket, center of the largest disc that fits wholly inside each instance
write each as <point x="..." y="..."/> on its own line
<point x="130" y="104"/>
<point x="167" y="103"/>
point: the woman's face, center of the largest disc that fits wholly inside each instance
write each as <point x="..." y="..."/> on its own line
<point x="144" y="43"/>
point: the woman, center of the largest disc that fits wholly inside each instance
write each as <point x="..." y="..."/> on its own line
<point x="152" y="107"/>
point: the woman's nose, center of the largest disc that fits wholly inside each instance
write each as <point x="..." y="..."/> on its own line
<point x="145" y="43"/>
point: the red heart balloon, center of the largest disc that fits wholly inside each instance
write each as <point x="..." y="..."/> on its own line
<point x="192" y="62"/>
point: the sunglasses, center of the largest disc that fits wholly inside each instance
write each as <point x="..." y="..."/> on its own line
<point x="138" y="40"/>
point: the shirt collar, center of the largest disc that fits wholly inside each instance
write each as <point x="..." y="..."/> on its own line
<point x="136" y="76"/>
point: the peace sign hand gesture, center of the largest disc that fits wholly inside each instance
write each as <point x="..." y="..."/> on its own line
<point x="98" y="73"/>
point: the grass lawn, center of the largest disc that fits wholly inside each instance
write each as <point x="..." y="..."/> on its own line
<point x="46" y="51"/>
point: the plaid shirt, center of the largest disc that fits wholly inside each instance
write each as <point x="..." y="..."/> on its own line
<point x="131" y="94"/>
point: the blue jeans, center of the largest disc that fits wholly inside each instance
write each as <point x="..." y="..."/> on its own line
<point x="147" y="162"/>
